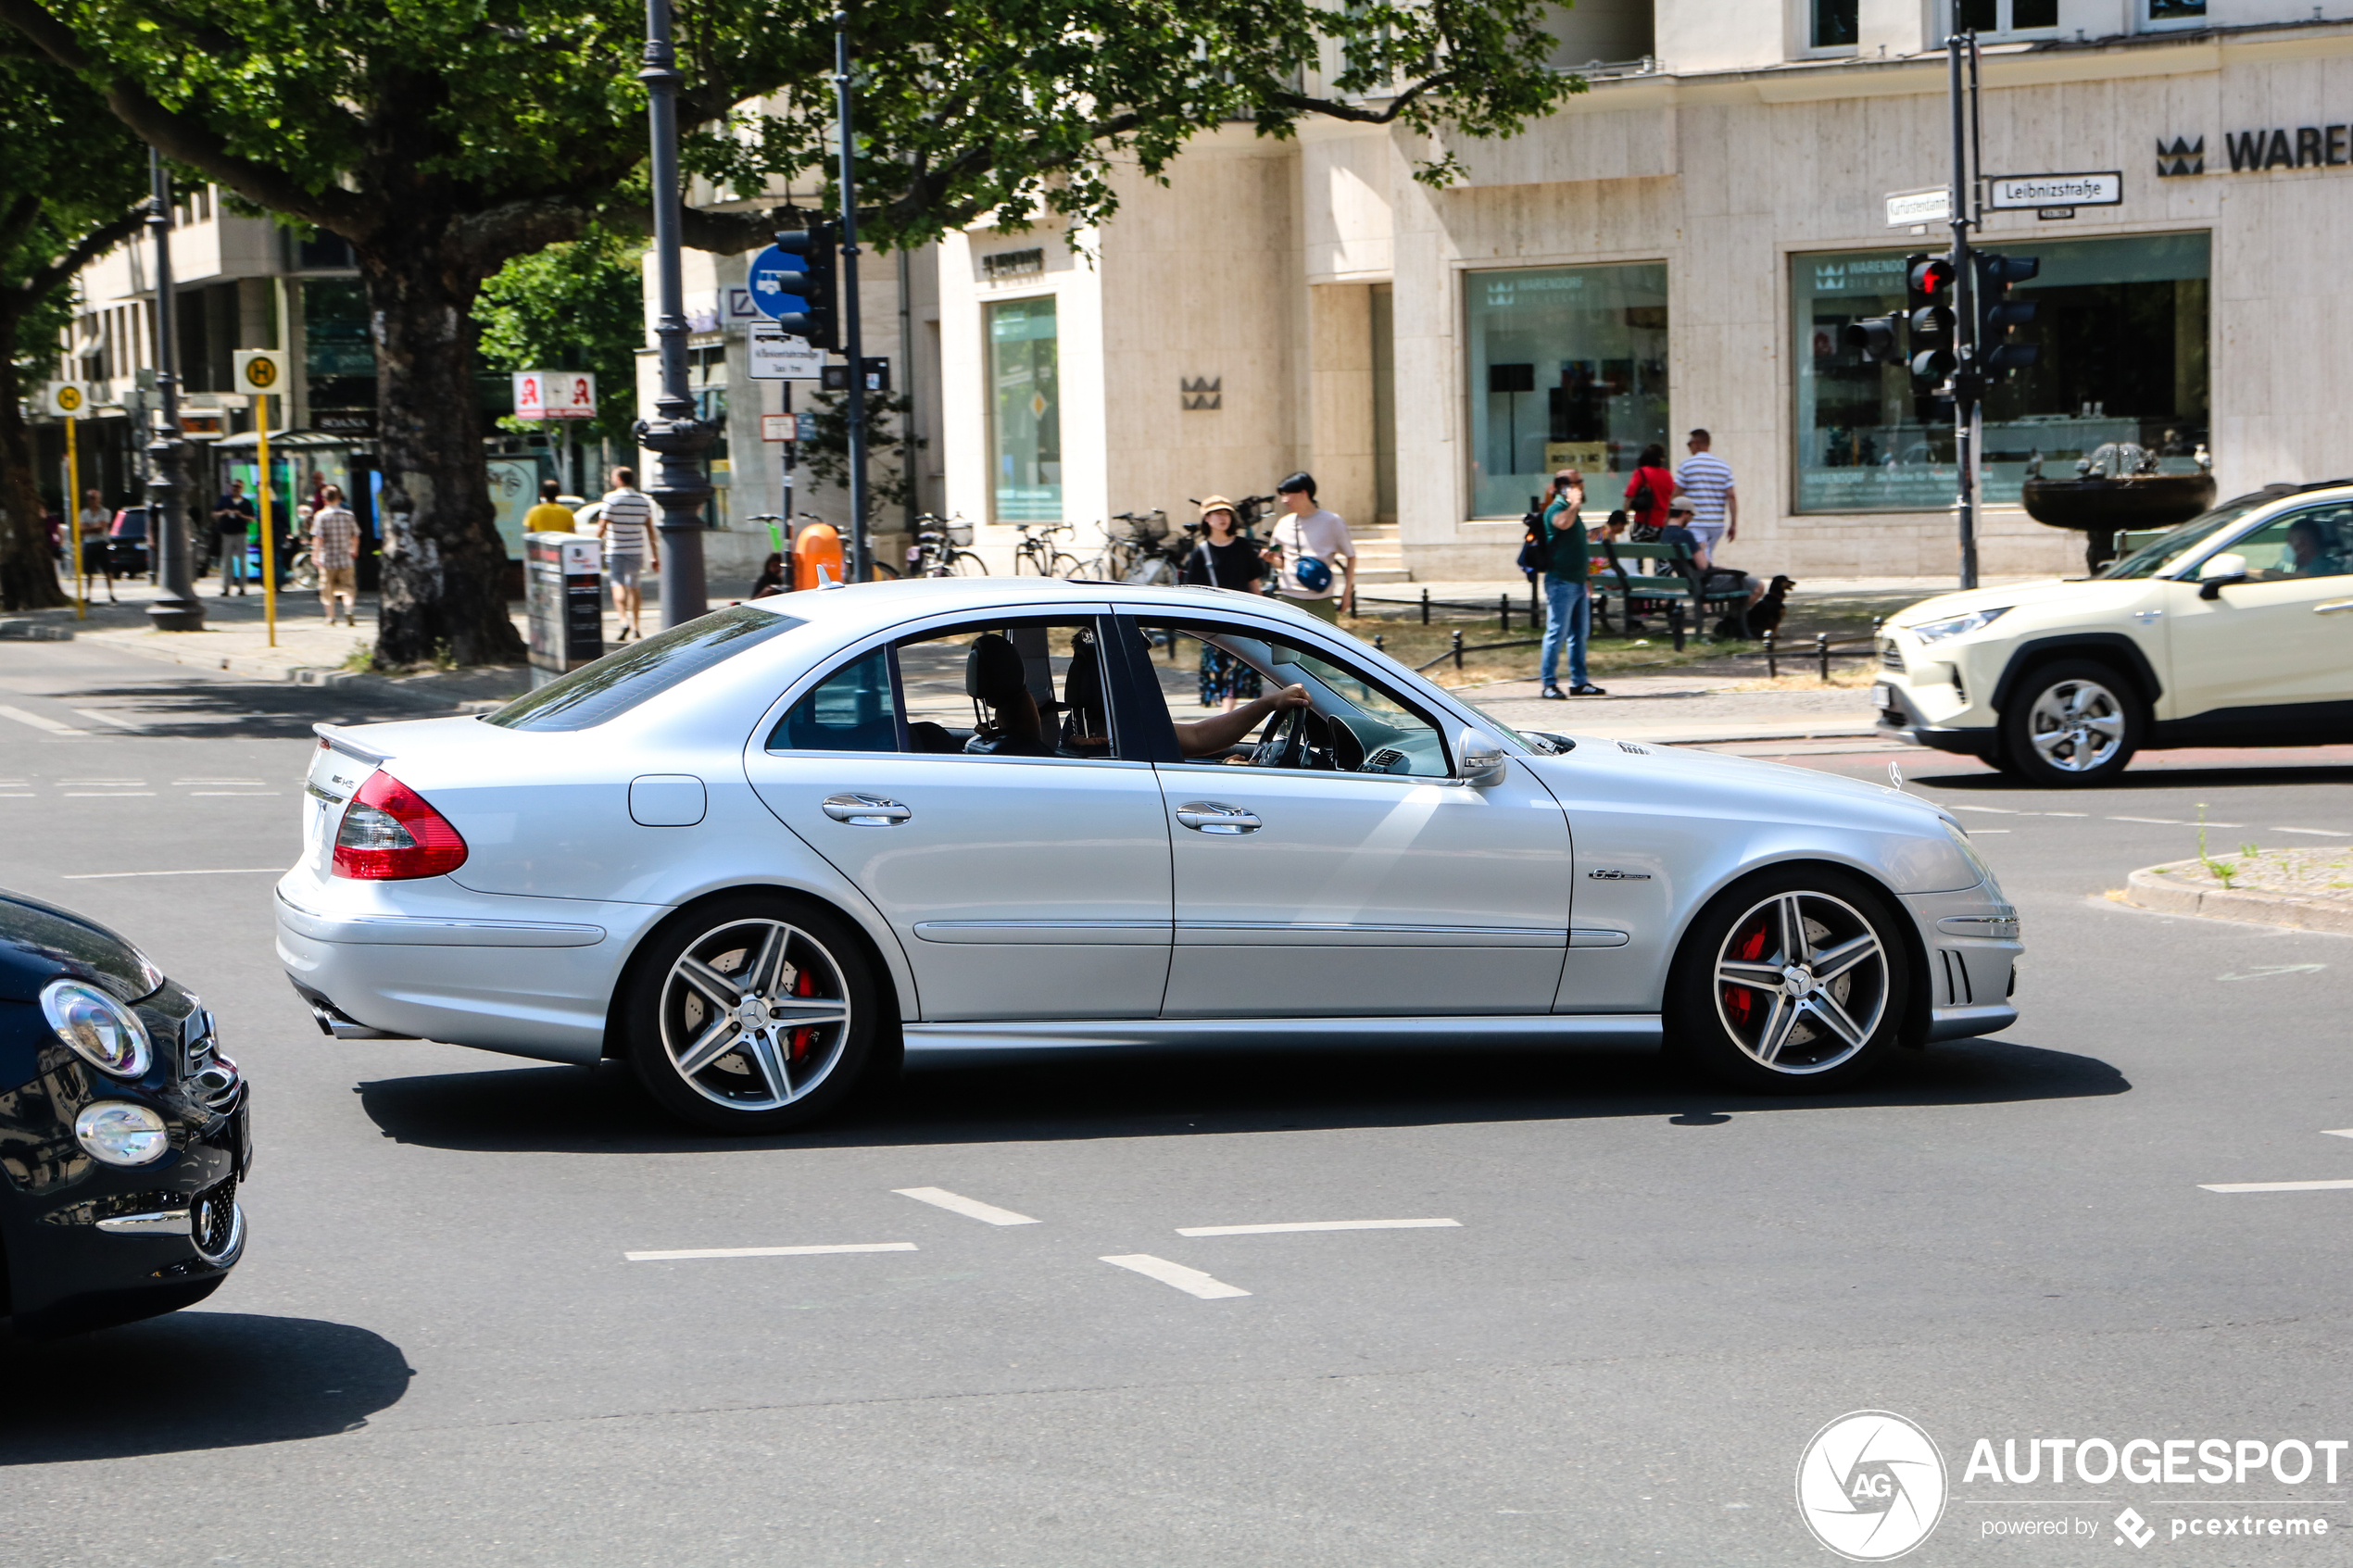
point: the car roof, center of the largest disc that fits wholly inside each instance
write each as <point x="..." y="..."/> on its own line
<point x="858" y="608"/>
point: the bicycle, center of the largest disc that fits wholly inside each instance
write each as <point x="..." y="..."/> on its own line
<point x="937" y="550"/>
<point x="1036" y="552"/>
<point x="1144" y="553"/>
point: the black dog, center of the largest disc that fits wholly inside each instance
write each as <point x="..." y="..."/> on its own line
<point x="1765" y="615"/>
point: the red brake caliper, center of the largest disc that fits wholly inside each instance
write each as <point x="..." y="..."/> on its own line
<point x="1738" y="1000"/>
<point x="806" y="985"/>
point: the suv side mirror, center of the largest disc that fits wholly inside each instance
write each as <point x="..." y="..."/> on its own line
<point x="2220" y="572"/>
<point x="1481" y="758"/>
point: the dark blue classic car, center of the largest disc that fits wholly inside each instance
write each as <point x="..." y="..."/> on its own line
<point x="123" y="1131"/>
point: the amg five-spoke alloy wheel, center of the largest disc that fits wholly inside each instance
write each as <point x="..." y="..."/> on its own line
<point x="753" y="1015"/>
<point x="1794" y="981"/>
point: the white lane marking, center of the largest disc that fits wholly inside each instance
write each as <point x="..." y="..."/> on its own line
<point x="2317" y="832"/>
<point x="2161" y="822"/>
<point x="218" y="871"/>
<point x="249" y="784"/>
<point x="1995" y="810"/>
<point x="2059" y="813"/>
<point x="2337" y="1131"/>
<point x="108" y="794"/>
<point x="1192" y="1282"/>
<point x="2274" y="1186"/>
<point x="238" y="794"/>
<point x="38" y="722"/>
<point x="101" y="783"/>
<point x="105" y="718"/>
<point x="2266" y="970"/>
<point x="1321" y="1225"/>
<point x="970" y="1207"/>
<point x="6" y="796"/>
<point x="767" y="1251"/>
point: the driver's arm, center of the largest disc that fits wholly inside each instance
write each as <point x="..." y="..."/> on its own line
<point x="1220" y="732"/>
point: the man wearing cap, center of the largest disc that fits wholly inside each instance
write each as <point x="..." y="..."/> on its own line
<point x="1568" y="605"/>
<point x="1315" y="558"/>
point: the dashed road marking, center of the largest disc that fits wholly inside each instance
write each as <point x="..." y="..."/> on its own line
<point x="2317" y="832"/>
<point x="2336" y="1132"/>
<point x="2161" y="822"/>
<point x="971" y="1208"/>
<point x="1192" y="1282"/>
<point x="37" y="722"/>
<point x="1321" y="1225"/>
<point x="767" y="1251"/>
<point x="105" y="718"/>
<point x="2274" y="1186"/>
<point x="108" y="794"/>
<point x="238" y="794"/>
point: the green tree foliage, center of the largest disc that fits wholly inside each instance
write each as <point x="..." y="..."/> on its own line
<point x="443" y="138"/>
<point x="71" y="190"/>
<point x="577" y="306"/>
<point x="888" y="447"/>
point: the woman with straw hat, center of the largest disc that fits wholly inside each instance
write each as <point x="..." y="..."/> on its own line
<point x="1225" y="558"/>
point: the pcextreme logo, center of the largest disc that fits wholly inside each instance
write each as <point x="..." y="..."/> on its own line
<point x="1870" y="1485"/>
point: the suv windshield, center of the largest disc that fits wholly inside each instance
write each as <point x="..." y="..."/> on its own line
<point x="2162" y="553"/>
<point x="622" y="680"/>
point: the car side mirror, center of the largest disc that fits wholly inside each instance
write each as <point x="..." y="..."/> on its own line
<point x="1481" y="758"/>
<point x="2220" y="572"/>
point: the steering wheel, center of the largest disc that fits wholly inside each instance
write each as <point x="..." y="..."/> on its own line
<point x="1300" y="737"/>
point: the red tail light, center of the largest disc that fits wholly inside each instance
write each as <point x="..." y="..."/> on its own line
<point x="389" y="832"/>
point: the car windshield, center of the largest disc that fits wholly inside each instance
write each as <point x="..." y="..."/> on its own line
<point x="2159" y="555"/>
<point x="622" y="679"/>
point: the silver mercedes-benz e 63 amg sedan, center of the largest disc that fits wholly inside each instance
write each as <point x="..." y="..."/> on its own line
<point x="764" y="853"/>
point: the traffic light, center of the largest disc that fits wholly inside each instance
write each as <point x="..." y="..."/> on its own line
<point x="1876" y="337"/>
<point x="817" y="250"/>
<point x="1998" y="316"/>
<point x="1928" y="283"/>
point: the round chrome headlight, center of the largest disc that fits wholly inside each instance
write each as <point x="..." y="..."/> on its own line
<point x="119" y="1133"/>
<point x="101" y="1031"/>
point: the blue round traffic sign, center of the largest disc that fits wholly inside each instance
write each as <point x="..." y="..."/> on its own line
<point x="775" y="279"/>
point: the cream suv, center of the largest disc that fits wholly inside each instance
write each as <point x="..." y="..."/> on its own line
<point x="2235" y="628"/>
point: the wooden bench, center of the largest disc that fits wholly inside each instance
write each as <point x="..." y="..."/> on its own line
<point x="1680" y="583"/>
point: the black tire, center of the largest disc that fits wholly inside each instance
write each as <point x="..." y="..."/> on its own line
<point x="1790" y="1032"/>
<point x="2071" y="723"/>
<point x="667" y="1016"/>
<point x="963" y="563"/>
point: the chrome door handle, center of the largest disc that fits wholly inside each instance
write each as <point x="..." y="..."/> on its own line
<point x="865" y="811"/>
<point x="2332" y="607"/>
<point x="1214" y="816"/>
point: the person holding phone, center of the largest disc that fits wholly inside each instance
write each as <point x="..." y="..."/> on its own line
<point x="1568" y="607"/>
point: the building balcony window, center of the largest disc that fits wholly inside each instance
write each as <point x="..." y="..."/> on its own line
<point x="2006" y="19"/>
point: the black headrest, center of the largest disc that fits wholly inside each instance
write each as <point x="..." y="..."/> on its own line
<point x="994" y="672"/>
<point x="1083" y="685"/>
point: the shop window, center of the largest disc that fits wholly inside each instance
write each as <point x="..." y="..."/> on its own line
<point x="1568" y="368"/>
<point x="2122" y="332"/>
<point x="1024" y="412"/>
<point x="2006" y="16"/>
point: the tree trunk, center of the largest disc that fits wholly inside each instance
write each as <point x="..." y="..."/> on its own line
<point x="444" y="567"/>
<point x="28" y="572"/>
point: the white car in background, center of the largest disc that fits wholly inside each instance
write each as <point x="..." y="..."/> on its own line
<point x="2235" y="628"/>
<point x="754" y="856"/>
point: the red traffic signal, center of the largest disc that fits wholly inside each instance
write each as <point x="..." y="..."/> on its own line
<point x="1928" y="277"/>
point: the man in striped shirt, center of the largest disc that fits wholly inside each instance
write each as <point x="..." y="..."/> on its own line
<point x="630" y="548"/>
<point x="1705" y="481"/>
<point x="335" y="551"/>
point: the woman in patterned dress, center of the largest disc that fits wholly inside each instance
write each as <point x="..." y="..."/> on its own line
<point x="1225" y="560"/>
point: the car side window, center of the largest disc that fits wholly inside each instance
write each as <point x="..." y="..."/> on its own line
<point x="852" y="710"/>
<point x="1220" y="681"/>
<point x="2313" y="542"/>
<point x="1004" y="688"/>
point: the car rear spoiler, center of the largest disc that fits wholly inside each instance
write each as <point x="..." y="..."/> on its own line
<point x="343" y="741"/>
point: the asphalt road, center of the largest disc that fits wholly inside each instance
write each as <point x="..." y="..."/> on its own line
<point x="438" y="1351"/>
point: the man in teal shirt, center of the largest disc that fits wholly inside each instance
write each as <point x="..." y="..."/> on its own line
<point x="1568" y="610"/>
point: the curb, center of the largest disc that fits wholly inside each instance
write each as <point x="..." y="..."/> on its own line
<point x="235" y="663"/>
<point x="35" y="632"/>
<point x="2152" y="888"/>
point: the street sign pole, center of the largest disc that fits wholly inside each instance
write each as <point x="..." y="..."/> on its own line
<point x="268" y="533"/>
<point x="853" y="345"/>
<point x="673" y="433"/>
<point x="1965" y="379"/>
<point x="74" y="516"/>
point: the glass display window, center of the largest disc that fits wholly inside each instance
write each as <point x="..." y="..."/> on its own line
<point x="1568" y="368"/>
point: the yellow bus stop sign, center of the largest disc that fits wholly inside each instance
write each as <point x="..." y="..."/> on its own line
<point x="260" y="369"/>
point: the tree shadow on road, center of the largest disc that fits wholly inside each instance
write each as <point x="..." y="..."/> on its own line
<point x="1006" y="1097"/>
<point x="192" y="1381"/>
<point x="190" y="709"/>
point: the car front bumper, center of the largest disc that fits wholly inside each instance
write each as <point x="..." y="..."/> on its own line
<point x="1973" y="950"/>
<point x="113" y="1245"/>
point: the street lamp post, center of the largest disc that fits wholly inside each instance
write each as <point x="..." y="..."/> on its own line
<point x="853" y="340"/>
<point x="175" y="608"/>
<point x="673" y="433"/>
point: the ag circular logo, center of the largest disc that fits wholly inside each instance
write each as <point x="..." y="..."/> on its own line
<point x="1870" y="1485"/>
